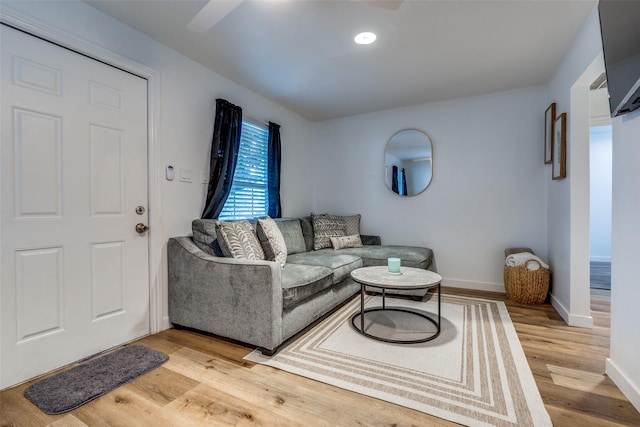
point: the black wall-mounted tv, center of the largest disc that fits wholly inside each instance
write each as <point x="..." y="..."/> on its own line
<point x="620" y="30"/>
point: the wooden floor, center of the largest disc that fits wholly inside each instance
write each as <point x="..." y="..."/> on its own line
<point x="206" y="382"/>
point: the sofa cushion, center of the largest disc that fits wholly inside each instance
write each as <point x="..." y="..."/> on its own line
<point x="239" y="240"/>
<point x="204" y="236"/>
<point x="324" y="227"/>
<point x="307" y="231"/>
<point x="370" y="240"/>
<point x="340" y="263"/>
<point x="292" y="232"/>
<point x="272" y="241"/>
<point x="411" y="256"/>
<point x="343" y="242"/>
<point x="300" y="282"/>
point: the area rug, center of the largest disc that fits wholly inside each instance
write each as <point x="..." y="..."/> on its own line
<point x="91" y="379"/>
<point x="475" y="373"/>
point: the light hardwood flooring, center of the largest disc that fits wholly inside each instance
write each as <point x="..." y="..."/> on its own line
<point x="207" y="382"/>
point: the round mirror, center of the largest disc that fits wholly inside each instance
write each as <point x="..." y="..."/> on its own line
<point x="408" y="163"/>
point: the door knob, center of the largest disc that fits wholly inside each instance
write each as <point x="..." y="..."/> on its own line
<point x="141" y="228"/>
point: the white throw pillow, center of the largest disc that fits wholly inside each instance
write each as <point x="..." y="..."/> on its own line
<point x="352" y="241"/>
<point x="272" y="240"/>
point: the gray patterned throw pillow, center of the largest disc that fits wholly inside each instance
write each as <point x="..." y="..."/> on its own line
<point x="239" y="240"/>
<point x="324" y="227"/>
<point x="352" y="224"/>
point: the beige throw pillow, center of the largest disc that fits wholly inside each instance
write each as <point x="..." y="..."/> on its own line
<point x="352" y="241"/>
<point x="275" y="248"/>
<point x="238" y="240"/>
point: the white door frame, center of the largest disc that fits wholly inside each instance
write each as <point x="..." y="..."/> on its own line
<point x="50" y="33"/>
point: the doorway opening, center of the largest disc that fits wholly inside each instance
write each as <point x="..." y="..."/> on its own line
<point x="600" y="185"/>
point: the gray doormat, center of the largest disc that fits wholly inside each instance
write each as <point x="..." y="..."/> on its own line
<point x="91" y="379"/>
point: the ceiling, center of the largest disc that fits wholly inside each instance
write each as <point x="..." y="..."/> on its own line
<point x="301" y="54"/>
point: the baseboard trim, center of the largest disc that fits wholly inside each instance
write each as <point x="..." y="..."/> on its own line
<point x="626" y="386"/>
<point x="478" y="286"/>
<point x="560" y="308"/>
<point x="165" y="324"/>
<point x="579" y="321"/>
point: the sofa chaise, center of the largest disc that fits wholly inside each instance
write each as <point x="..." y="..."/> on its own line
<point x="263" y="303"/>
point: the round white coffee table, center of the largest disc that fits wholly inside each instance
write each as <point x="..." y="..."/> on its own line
<point x="409" y="278"/>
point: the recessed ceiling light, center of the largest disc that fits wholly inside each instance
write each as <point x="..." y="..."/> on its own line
<point x="365" y="38"/>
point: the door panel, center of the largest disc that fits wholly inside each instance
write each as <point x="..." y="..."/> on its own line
<point x="107" y="171"/>
<point x="75" y="275"/>
<point x="39" y="293"/>
<point x="38" y="168"/>
<point x="108" y="282"/>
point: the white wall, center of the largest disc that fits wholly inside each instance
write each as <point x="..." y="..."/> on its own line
<point x="623" y="365"/>
<point x="568" y="199"/>
<point x="187" y="103"/>
<point x="488" y="190"/>
<point x="568" y="213"/>
<point x="600" y="175"/>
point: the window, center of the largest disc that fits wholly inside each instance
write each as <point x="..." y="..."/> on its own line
<point x="248" y="197"/>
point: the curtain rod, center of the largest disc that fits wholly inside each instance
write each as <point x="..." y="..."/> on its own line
<point x="258" y="122"/>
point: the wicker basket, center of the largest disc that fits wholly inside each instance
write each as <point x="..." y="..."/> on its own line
<point x="526" y="286"/>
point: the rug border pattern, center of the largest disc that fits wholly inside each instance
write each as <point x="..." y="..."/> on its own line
<point x="487" y="392"/>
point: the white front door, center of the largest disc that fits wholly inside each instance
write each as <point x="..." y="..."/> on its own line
<point x="74" y="271"/>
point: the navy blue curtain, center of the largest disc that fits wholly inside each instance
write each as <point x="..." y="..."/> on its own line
<point x="394" y="179"/>
<point x="224" y="156"/>
<point x="273" y="183"/>
<point x="404" y="183"/>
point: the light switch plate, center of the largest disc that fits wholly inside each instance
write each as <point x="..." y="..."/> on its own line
<point x="186" y="175"/>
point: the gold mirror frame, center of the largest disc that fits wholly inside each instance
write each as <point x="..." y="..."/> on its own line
<point x="408" y="162"/>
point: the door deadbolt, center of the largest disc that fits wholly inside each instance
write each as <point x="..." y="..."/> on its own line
<point x="140" y="210"/>
<point x="141" y="228"/>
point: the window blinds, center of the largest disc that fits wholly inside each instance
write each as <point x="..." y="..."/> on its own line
<point x="248" y="197"/>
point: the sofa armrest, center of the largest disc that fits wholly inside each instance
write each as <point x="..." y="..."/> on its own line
<point x="234" y="298"/>
<point x="370" y="240"/>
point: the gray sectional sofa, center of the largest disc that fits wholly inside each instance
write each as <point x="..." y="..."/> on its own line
<point x="262" y="303"/>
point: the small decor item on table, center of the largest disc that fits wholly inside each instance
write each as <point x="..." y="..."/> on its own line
<point x="394" y="265"/>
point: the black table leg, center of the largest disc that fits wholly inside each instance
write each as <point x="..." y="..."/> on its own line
<point x="363" y="311"/>
<point x="439" y="293"/>
<point x="362" y="290"/>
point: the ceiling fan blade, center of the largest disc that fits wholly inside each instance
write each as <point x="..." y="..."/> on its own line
<point x="384" y="4"/>
<point x="215" y="11"/>
<point x="212" y="13"/>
